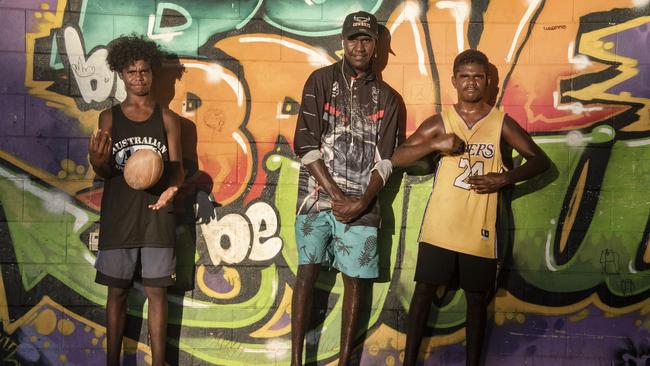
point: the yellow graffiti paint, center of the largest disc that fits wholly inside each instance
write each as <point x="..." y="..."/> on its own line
<point x="48" y="306"/>
<point x="574" y="204"/>
<point x="45" y="322"/>
<point x="47" y="23"/>
<point x="231" y="275"/>
<point x="582" y="314"/>
<point x="4" y="307"/>
<point x="65" y="327"/>
<point x="130" y="346"/>
<point x="390" y="360"/>
<point x="284" y="309"/>
<point x="506" y="302"/>
<point x="591" y="44"/>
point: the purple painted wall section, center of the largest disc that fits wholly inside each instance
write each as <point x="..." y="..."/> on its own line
<point x="634" y="44"/>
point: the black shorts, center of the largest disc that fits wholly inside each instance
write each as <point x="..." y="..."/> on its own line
<point x="154" y="267"/>
<point x="438" y="266"/>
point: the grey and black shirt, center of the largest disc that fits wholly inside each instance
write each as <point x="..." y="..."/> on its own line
<point x="353" y="122"/>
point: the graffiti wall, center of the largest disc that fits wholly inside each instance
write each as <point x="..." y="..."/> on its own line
<point x="575" y="287"/>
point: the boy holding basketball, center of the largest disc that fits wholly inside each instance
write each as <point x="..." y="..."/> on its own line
<point x="458" y="239"/>
<point x="137" y="227"/>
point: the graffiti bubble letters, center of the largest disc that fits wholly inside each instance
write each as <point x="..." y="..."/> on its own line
<point x="156" y="31"/>
<point x="233" y="237"/>
<point x="94" y="78"/>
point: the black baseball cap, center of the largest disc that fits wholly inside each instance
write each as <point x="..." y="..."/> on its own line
<point x="360" y="23"/>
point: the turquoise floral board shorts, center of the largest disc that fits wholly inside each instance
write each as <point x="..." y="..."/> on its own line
<point x="350" y="249"/>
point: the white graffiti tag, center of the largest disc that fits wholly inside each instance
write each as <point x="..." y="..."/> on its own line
<point x="94" y="78"/>
<point x="233" y="237"/>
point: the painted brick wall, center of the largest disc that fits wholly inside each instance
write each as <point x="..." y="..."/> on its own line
<point x="575" y="74"/>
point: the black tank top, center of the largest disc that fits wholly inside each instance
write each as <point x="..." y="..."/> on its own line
<point x="126" y="220"/>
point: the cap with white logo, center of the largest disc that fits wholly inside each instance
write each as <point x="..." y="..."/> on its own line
<point x="360" y="23"/>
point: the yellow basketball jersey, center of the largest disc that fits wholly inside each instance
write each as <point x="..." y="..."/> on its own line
<point x="456" y="217"/>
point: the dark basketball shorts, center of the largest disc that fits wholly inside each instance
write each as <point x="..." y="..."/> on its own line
<point x="439" y="266"/>
<point x="155" y="267"/>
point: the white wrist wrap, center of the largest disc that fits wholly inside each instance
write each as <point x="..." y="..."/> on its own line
<point x="311" y="157"/>
<point x="384" y="168"/>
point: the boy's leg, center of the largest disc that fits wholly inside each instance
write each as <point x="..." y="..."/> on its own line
<point x="435" y="269"/>
<point x="476" y="320"/>
<point x="301" y="303"/>
<point x="352" y="288"/>
<point x="158" y="273"/>
<point x="157" y="322"/>
<point x="115" y="320"/>
<point x="417" y="320"/>
<point x="354" y="249"/>
<point x="478" y="279"/>
<point x="115" y="269"/>
<point x="313" y="234"/>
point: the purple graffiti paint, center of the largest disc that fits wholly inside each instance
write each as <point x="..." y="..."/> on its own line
<point x="13" y="20"/>
<point x="634" y="43"/>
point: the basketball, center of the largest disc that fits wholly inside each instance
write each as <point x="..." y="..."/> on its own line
<point x="143" y="169"/>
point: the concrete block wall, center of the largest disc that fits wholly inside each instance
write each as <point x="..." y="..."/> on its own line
<point x="575" y="286"/>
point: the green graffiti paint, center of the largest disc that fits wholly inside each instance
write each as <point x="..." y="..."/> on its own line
<point x="286" y="194"/>
<point x="314" y="18"/>
<point x="45" y="229"/>
<point x="181" y="27"/>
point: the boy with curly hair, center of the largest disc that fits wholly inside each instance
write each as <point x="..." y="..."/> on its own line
<point x="137" y="228"/>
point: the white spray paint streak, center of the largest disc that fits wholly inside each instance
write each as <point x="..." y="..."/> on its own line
<point x="460" y="10"/>
<point x="630" y="267"/>
<point x="550" y="263"/>
<point x="411" y="13"/>
<point x="215" y="74"/>
<point x="575" y="107"/>
<point x="573" y="138"/>
<point x="55" y="202"/>
<point x="279" y="347"/>
<point x="89" y="258"/>
<point x="240" y="141"/>
<point x="520" y="28"/>
<point x="315" y="57"/>
<point x="164" y="37"/>
<point x="581" y="62"/>
<point x="184" y="301"/>
<point x="279" y="114"/>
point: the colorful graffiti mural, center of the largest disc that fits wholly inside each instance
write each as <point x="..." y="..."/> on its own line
<point x="575" y="287"/>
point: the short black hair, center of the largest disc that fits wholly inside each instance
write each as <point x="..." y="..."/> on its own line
<point x="125" y="50"/>
<point x="471" y="56"/>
